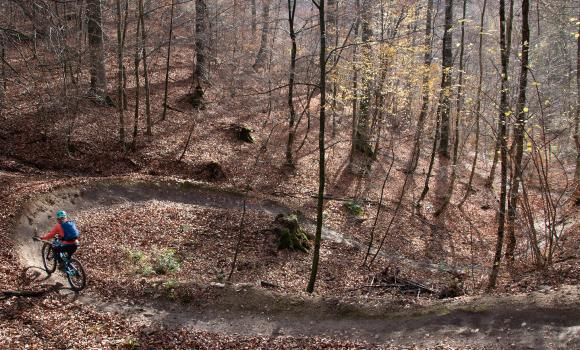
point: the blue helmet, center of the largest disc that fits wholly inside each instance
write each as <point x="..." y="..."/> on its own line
<point x="61" y="214"/>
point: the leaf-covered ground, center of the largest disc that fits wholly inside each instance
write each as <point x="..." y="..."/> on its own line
<point x="121" y="243"/>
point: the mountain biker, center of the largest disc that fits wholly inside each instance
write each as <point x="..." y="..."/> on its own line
<point x="65" y="229"/>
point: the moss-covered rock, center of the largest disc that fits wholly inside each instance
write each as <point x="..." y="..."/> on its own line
<point x="290" y="234"/>
<point x="243" y="133"/>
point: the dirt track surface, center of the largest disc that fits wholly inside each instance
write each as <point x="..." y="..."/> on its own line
<point x="546" y="319"/>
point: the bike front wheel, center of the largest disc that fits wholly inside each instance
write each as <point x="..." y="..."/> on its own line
<point x="48" y="258"/>
<point x="75" y="273"/>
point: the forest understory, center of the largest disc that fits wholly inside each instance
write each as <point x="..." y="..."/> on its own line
<point x="186" y="229"/>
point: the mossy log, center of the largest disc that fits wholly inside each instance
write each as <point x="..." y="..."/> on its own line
<point x="291" y="235"/>
<point x="243" y="133"/>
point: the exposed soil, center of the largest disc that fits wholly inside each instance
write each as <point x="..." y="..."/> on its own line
<point x="548" y="318"/>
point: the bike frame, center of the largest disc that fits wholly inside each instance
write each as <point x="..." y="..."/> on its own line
<point x="68" y="269"/>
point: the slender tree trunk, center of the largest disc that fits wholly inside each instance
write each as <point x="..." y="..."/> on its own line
<point x="321" y="163"/>
<point x="519" y="131"/>
<point x="96" y="49"/>
<point x="137" y="83"/>
<point x="167" y="60"/>
<point x="262" y="52"/>
<point x="443" y="108"/>
<point x="333" y="5"/>
<point x="447" y="66"/>
<point x="186" y="146"/>
<point x="2" y="74"/>
<point x="291" y="131"/>
<point x="120" y="49"/>
<point x="363" y="132"/>
<point x="125" y="21"/>
<point x="530" y="220"/>
<point x="431" y="163"/>
<point x="502" y="132"/>
<point x="3" y="53"/>
<point x="202" y="40"/>
<point x="417" y="138"/>
<point x="355" y="87"/>
<point x="145" y="68"/>
<point x="477" y="105"/>
<point x="458" y="111"/>
<point x="254" y="19"/>
<point x="497" y="151"/>
<point x="577" y="121"/>
<point x="379" y="206"/>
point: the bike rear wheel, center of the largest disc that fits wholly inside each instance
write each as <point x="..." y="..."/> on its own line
<point x="48" y="258"/>
<point x="75" y="273"/>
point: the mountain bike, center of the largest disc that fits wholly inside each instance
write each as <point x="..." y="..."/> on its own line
<point x="72" y="268"/>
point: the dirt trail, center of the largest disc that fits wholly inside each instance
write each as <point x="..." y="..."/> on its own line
<point x="549" y="319"/>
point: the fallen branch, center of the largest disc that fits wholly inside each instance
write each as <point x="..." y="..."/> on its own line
<point x="29" y="293"/>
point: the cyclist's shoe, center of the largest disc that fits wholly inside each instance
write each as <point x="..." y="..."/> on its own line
<point x="61" y="266"/>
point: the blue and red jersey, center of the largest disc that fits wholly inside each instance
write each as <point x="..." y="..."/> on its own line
<point x="57" y="230"/>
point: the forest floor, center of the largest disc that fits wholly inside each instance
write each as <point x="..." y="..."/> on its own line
<point x="135" y="208"/>
<point x="192" y="307"/>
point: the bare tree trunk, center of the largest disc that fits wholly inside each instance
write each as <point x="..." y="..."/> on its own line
<point x="333" y="30"/>
<point x="125" y="21"/>
<point x="530" y="220"/>
<point x="417" y="138"/>
<point x="431" y="162"/>
<point x="262" y="52"/>
<point x="496" y="152"/>
<point x="379" y="206"/>
<point x="2" y="74"/>
<point x="164" y="114"/>
<point x="202" y="37"/>
<point x="519" y="131"/>
<point x="137" y="84"/>
<point x="447" y="66"/>
<point x="291" y="131"/>
<point x="355" y="87"/>
<point x="477" y="106"/>
<point x="120" y="49"/>
<point x="502" y="132"/>
<point x="321" y="163"/>
<point x="577" y="123"/>
<point x="186" y="146"/>
<point x="363" y="132"/>
<point x="145" y="68"/>
<point x="254" y="19"/>
<point x="96" y="50"/>
<point x="449" y="194"/>
<point x="443" y="113"/>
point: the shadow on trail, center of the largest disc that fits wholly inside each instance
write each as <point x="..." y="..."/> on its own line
<point x="33" y="274"/>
